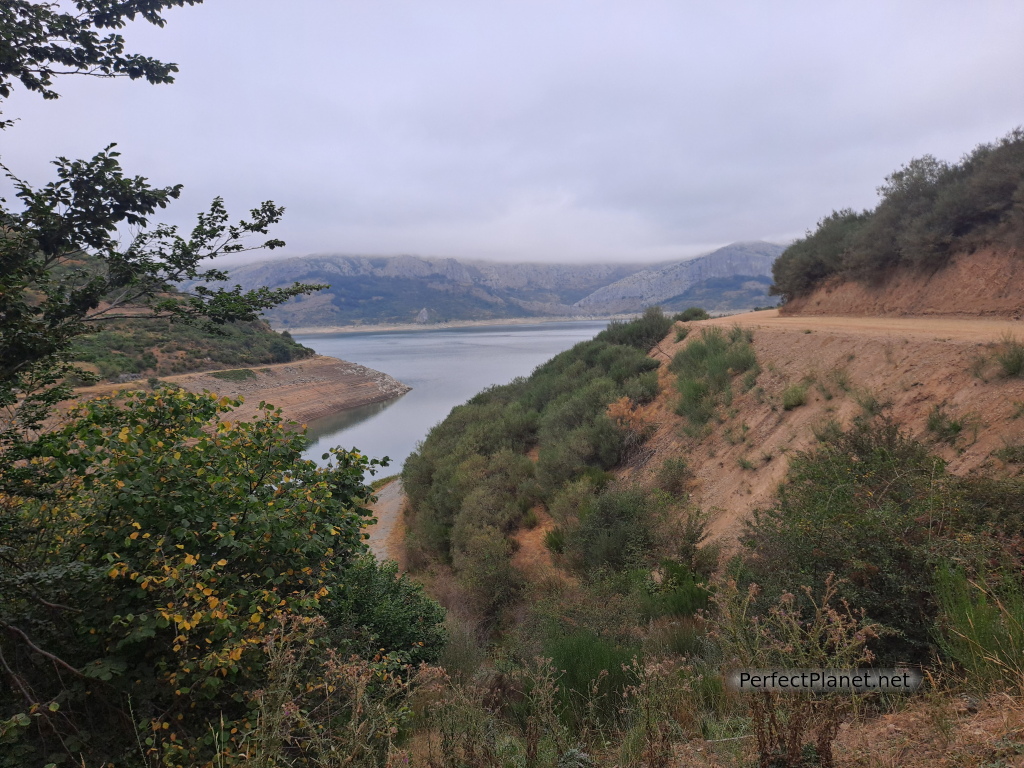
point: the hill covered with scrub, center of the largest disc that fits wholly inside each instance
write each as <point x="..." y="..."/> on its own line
<point x="752" y="491"/>
<point x="931" y="215"/>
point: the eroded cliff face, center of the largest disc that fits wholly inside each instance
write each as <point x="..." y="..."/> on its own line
<point x="989" y="282"/>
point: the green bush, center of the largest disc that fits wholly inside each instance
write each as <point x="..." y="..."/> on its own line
<point x="678" y="593"/>
<point x="615" y="532"/>
<point x="705" y="368"/>
<point x="692" y="313"/>
<point x="877" y="510"/>
<point x="794" y="396"/>
<point x="642" y="333"/>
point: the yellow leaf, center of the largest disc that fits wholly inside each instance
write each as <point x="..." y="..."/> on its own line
<point x="254" y="619"/>
<point x="222" y="563"/>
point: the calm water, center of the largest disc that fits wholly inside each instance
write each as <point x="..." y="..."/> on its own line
<point x="444" y="367"/>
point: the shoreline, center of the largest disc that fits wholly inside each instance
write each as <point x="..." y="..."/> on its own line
<point x="325" y="330"/>
<point x="304" y="390"/>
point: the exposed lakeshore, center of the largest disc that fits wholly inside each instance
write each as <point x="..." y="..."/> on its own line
<point x="304" y="389"/>
<point x="324" y="330"/>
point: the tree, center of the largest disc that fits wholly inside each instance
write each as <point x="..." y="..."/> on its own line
<point x="39" y="41"/>
<point x="62" y="266"/>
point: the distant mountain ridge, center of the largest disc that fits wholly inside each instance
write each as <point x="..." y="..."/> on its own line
<point x="671" y="284"/>
<point x="407" y="289"/>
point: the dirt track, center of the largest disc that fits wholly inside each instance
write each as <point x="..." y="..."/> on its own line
<point x="387" y="533"/>
<point x="944" y="328"/>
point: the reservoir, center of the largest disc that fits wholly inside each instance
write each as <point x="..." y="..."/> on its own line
<point x="444" y="367"/>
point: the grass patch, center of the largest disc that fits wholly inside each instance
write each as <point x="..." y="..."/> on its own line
<point x="706" y="367"/>
<point x="1011" y="454"/>
<point x="945" y="428"/>
<point x="1010" y="356"/>
<point x="380" y="482"/>
<point x="236" y="374"/>
<point x="794" y="396"/>
<point x="983" y="628"/>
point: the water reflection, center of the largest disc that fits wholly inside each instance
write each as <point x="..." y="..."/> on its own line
<point x="339" y="422"/>
<point x="444" y="367"/>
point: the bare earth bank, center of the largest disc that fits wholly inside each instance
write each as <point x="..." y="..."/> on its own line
<point x="304" y="389"/>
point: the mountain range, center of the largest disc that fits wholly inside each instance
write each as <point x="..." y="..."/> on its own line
<point x="407" y="289"/>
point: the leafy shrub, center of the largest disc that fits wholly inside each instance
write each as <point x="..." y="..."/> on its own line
<point x="794" y="396"/>
<point x="705" y="368"/>
<point x="877" y="510"/>
<point x="181" y="544"/>
<point x="690" y="314"/>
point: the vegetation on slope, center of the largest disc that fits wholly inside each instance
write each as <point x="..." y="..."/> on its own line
<point x="929" y="210"/>
<point x="472" y="482"/>
<point x="160" y="348"/>
<point x="871" y="554"/>
<point x="159" y="563"/>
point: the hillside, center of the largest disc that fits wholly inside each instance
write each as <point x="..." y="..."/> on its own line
<point x="986" y="283"/>
<point x="127" y="349"/>
<point x="904" y="368"/>
<point x="408" y="289"/>
<point x="575" y="514"/>
<point x="929" y="212"/>
<point x="742" y="268"/>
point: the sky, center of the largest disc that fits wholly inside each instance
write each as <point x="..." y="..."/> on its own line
<point x="540" y="130"/>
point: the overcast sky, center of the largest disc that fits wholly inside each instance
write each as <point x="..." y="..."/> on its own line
<point x="554" y="130"/>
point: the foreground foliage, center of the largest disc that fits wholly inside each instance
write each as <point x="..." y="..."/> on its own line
<point x="157" y="552"/>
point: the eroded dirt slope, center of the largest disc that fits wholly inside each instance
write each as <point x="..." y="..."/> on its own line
<point x="905" y="366"/>
<point x="985" y="283"/>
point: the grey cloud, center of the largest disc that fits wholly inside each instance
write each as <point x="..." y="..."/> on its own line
<point x="539" y="130"/>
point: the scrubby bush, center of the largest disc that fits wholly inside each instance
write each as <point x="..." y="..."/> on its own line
<point x="692" y="313"/>
<point x="642" y="333"/>
<point x="879" y="511"/>
<point x="705" y="368"/>
<point x="928" y="210"/>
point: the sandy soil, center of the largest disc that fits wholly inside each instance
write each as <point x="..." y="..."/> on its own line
<point x="388" y="533"/>
<point x="985" y="283"/>
<point x="910" y="365"/>
<point x="304" y="390"/>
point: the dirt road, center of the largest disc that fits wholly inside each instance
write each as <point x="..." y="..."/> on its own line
<point x="387" y="533"/>
<point x="937" y="328"/>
